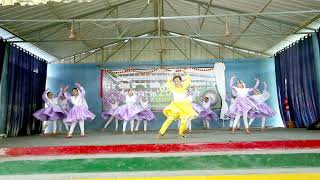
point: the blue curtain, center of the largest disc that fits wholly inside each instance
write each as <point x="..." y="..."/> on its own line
<point x="297" y="81"/>
<point x="2" y="52"/>
<point x="26" y="79"/>
<point x="318" y="36"/>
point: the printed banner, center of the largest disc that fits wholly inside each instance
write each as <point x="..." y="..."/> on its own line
<point x="152" y="84"/>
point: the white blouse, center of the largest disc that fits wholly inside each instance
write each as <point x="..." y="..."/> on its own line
<point x="179" y="96"/>
<point x="131" y="100"/>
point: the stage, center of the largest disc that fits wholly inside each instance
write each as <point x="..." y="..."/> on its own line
<point x="211" y="154"/>
<point x="197" y="136"/>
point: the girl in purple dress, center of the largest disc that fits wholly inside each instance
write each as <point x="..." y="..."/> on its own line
<point x="242" y="103"/>
<point x="111" y="106"/>
<point x="129" y="111"/>
<point x="145" y="116"/>
<point x="231" y="119"/>
<point x="206" y="114"/>
<point x="52" y="111"/>
<point x="64" y="104"/>
<point x="80" y="111"/>
<point x="264" y="111"/>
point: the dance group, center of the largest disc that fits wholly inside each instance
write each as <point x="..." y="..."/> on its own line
<point x="57" y="109"/>
<point x="135" y="108"/>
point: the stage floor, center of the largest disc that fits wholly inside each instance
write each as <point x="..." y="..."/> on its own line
<point x="205" y="153"/>
<point x="197" y="136"/>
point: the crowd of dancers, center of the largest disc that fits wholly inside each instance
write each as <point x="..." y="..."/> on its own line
<point x="135" y="108"/>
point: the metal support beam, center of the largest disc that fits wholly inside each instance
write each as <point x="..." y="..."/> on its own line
<point x="184" y="54"/>
<point x="302" y="26"/>
<point x="249" y="18"/>
<point x="130" y="49"/>
<point x="250" y="23"/>
<point x="54" y="11"/>
<point x="177" y="13"/>
<point x="101" y="47"/>
<point x="199" y="13"/>
<point x="234" y="51"/>
<point x="155" y="12"/>
<point x="157" y="37"/>
<point x="190" y="48"/>
<point x="90" y="30"/>
<point x="55" y="23"/>
<point x="128" y="26"/>
<point x="222" y="44"/>
<point x="82" y="58"/>
<point x="160" y="28"/>
<point x="212" y="13"/>
<point x="114" y="15"/>
<point x="50" y="34"/>
<point x="117" y="23"/>
<point x="207" y="10"/>
<point x="244" y="12"/>
<point x="205" y="48"/>
<point x="263" y="16"/>
<point x="114" y="52"/>
<point x="135" y="57"/>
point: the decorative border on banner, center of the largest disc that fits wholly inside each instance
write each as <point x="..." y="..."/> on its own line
<point x="146" y="72"/>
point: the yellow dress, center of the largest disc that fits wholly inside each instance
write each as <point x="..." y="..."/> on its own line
<point x="180" y="107"/>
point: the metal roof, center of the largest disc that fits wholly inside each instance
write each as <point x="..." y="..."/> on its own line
<point x="257" y="33"/>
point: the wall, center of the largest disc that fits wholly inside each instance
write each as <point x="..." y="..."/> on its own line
<point x="89" y="76"/>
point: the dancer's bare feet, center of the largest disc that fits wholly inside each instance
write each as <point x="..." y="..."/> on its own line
<point x="233" y="130"/>
<point x="182" y="136"/>
<point x="248" y="131"/>
<point x="68" y="136"/>
<point x="103" y="130"/>
<point x="44" y="134"/>
<point x="263" y="129"/>
<point x="159" y="136"/>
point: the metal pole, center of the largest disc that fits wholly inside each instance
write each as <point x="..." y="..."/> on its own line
<point x="157" y="37"/>
<point x="162" y="17"/>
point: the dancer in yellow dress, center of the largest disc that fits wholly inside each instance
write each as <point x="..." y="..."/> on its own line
<point x="180" y="107"/>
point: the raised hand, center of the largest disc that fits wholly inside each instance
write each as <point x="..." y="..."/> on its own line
<point x="77" y="84"/>
<point x="66" y="88"/>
